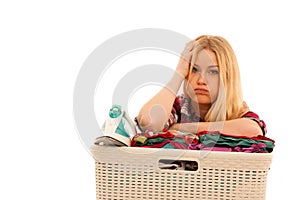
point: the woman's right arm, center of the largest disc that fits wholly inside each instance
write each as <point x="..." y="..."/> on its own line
<point x="155" y="113"/>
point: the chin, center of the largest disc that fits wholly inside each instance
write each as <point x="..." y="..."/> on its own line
<point x="201" y="100"/>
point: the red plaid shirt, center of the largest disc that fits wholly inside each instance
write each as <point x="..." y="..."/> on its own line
<point x="182" y="112"/>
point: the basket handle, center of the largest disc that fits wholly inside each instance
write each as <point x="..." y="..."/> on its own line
<point x="183" y="165"/>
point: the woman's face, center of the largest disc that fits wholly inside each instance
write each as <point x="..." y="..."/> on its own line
<point x="204" y="78"/>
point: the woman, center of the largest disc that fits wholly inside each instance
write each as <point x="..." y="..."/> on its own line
<point x="212" y="99"/>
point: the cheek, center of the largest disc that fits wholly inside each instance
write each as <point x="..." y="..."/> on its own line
<point x="214" y="88"/>
<point x="188" y="88"/>
<point x="192" y="81"/>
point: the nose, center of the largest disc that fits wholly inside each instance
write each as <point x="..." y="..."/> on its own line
<point x="201" y="79"/>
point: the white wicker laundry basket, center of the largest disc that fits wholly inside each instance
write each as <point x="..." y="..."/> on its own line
<point x="129" y="173"/>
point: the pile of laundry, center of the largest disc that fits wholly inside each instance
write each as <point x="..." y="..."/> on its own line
<point x="205" y="140"/>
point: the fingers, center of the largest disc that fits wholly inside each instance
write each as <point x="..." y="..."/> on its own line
<point x="185" y="59"/>
<point x="188" y="50"/>
<point x="190" y="45"/>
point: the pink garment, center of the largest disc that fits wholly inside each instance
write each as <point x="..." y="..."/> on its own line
<point x="214" y="148"/>
<point x="255" y="148"/>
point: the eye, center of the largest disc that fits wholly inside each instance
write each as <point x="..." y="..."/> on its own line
<point x="213" y="71"/>
<point x="194" y="69"/>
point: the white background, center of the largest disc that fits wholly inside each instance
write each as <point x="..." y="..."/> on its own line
<point x="44" y="44"/>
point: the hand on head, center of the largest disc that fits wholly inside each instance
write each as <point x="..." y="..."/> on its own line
<point x="183" y="65"/>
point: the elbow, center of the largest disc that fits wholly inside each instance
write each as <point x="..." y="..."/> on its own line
<point x="253" y="129"/>
<point x="245" y="127"/>
<point x="257" y="131"/>
<point x="147" y="124"/>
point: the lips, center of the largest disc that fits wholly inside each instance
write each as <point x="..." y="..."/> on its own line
<point x="201" y="91"/>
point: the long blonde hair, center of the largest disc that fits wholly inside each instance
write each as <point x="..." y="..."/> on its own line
<point x="229" y="103"/>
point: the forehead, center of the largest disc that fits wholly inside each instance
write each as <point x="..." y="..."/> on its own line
<point x="205" y="58"/>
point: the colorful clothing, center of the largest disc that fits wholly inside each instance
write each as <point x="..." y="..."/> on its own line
<point x="182" y="112"/>
<point x="205" y="140"/>
<point x="169" y="140"/>
<point x="259" y="143"/>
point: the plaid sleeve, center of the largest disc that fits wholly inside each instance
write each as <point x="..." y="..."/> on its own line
<point x="174" y="116"/>
<point x="255" y="117"/>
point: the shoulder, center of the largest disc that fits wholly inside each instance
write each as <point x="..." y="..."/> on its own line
<point x="182" y="99"/>
<point x="250" y="114"/>
<point x="179" y="100"/>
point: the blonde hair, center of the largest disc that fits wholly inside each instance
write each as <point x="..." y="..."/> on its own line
<point x="229" y="103"/>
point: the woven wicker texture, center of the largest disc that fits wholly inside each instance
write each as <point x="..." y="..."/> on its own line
<point x="133" y="173"/>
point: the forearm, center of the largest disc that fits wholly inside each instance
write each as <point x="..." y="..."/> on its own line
<point x="155" y="113"/>
<point x="236" y="127"/>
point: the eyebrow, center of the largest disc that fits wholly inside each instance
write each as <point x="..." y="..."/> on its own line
<point x="210" y="66"/>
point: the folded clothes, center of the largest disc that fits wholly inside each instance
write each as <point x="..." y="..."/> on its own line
<point x="216" y="139"/>
<point x="213" y="148"/>
<point x="206" y="140"/>
<point x="170" y="140"/>
<point x="255" y="148"/>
